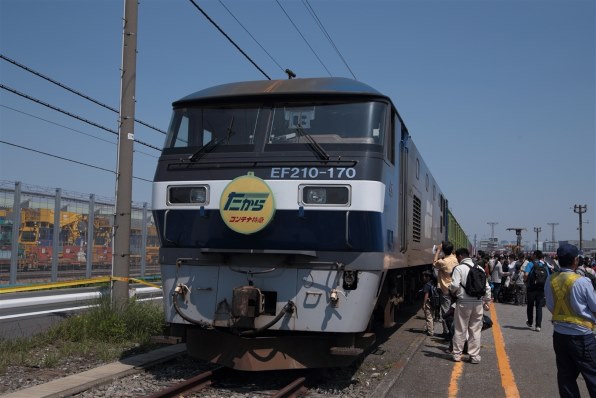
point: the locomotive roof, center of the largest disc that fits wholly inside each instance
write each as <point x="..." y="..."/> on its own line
<point x="290" y="87"/>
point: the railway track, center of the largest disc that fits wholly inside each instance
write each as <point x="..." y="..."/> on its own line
<point x="203" y="381"/>
<point x="194" y="384"/>
<point x="186" y="377"/>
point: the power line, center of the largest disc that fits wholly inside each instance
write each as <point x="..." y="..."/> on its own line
<point x="303" y="38"/>
<point x="66" y="159"/>
<point x="229" y="38"/>
<point x="12" y="90"/>
<point x="246" y="30"/>
<point x="12" y="61"/>
<point x="318" y="21"/>
<point x="71" y="129"/>
<point x="57" y="124"/>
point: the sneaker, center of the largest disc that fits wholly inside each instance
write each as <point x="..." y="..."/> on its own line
<point x="537" y="328"/>
<point x="456" y="358"/>
<point x="475" y="360"/>
<point x="528" y="324"/>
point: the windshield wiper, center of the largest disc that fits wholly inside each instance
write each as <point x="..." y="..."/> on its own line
<point x="212" y="144"/>
<point x="312" y="143"/>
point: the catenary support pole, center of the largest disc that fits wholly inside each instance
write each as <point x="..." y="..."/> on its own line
<point x="121" y="253"/>
<point x="579" y="209"/>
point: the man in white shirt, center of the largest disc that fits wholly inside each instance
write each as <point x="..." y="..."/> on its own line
<point x="468" y="309"/>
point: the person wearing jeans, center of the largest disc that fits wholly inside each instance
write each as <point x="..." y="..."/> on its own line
<point x="535" y="296"/>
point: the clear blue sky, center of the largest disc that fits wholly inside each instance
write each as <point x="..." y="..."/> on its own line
<point x="499" y="96"/>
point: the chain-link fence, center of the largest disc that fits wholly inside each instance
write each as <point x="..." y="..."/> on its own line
<point x="55" y="235"/>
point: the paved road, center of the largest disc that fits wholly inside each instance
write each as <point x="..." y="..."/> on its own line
<point x="516" y="361"/>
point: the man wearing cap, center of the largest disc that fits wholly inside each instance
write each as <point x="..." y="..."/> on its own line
<point x="572" y="300"/>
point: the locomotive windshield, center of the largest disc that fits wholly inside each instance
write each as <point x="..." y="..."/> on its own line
<point x="232" y="128"/>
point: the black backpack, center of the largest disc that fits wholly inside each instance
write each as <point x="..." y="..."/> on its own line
<point x="538" y="275"/>
<point x="475" y="282"/>
<point x="506" y="266"/>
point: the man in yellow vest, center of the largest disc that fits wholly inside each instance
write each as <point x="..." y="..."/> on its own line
<point x="572" y="300"/>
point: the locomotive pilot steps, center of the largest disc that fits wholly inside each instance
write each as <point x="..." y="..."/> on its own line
<point x="291" y="214"/>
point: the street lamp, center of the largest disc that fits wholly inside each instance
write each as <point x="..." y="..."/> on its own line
<point x="537" y="230"/>
<point x="518" y="233"/>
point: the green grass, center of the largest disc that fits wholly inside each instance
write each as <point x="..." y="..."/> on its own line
<point x="103" y="332"/>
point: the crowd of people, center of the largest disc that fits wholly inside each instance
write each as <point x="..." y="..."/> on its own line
<point x="460" y="288"/>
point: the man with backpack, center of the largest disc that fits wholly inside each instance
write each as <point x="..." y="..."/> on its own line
<point x="470" y="285"/>
<point x="536" y="274"/>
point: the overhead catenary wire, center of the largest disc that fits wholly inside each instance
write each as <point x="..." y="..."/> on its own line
<point x="303" y="38"/>
<point x="12" y="61"/>
<point x="256" y="41"/>
<point x="66" y="159"/>
<point x="229" y="38"/>
<point x="327" y="35"/>
<point x="71" y="129"/>
<point x="57" y="124"/>
<point x="12" y="90"/>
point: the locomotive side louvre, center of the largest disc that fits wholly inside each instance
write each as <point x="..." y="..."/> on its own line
<point x="289" y="213"/>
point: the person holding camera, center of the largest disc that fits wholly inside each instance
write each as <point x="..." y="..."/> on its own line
<point x="444" y="267"/>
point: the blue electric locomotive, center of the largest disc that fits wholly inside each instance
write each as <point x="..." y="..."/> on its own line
<point x="290" y="214"/>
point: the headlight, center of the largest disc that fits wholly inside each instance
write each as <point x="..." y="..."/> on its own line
<point x="325" y="195"/>
<point x="198" y="195"/>
<point x="315" y="195"/>
<point x="188" y="195"/>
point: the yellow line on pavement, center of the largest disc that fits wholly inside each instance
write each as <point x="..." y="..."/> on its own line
<point x="507" y="378"/>
<point x="455" y="376"/>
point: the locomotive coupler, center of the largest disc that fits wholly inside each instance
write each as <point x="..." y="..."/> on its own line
<point x="247" y="303"/>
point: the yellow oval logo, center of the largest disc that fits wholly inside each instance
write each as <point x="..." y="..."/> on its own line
<point x="247" y="204"/>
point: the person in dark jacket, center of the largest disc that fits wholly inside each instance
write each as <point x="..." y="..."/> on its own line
<point x="535" y="287"/>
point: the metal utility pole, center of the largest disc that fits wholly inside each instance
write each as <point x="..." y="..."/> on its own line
<point x="579" y="209"/>
<point x="492" y="233"/>
<point x="537" y="230"/>
<point x="552" y="225"/>
<point x="121" y="251"/>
